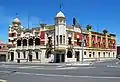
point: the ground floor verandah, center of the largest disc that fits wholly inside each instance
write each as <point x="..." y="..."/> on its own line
<point x="58" y="56"/>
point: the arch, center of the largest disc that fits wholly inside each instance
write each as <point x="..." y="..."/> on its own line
<point x="18" y="42"/>
<point x="69" y="54"/>
<point x="37" y="41"/>
<point x="25" y="42"/>
<point x="30" y="42"/>
<point x="47" y="55"/>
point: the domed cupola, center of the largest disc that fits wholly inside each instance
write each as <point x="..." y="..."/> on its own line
<point x="16" y="21"/>
<point x="60" y="18"/>
<point x="60" y="14"/>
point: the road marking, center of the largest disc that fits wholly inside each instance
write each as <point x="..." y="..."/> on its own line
<point x="112" y="66"/>
<point x="54" y="68"/>
<point x="68" y="68"/>
<point x="1" y="80"/>
<point x="5" y="71"/>
<point x="68" y="76"/>
<point x="87" y="67"/>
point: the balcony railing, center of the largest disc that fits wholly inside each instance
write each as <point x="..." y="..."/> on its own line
<point x="70" y="46"/>
<point x="37" y="46"/>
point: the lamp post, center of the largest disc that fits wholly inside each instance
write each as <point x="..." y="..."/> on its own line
<point x="40" y="55"/>
<point x="82" y="46"/>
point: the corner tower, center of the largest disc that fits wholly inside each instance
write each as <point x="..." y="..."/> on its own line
<point x="60" y="28"/>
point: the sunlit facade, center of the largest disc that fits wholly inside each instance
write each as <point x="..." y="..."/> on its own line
<point x="59" y="43"/>
<point x="3" y="52"/>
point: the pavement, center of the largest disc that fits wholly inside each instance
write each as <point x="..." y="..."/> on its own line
<point x="107" y="71"/>
<point x="47" y="64"/>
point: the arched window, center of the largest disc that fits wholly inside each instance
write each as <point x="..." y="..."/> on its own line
<point x="93" y="44"/>
<point x="18" y="54"/>
<point x="24" y="54"/>
<point x="78" y="41"/>
<point x="69" y="41"/>
<point x="24" y="42"/>
<point x="60" y="39"/>
<point x="98" y="54"/>
<point x="93" y="54"/>
<point x="37" y="55"/>
<point x="69" y="54"/>
<point x="37" y="41"/>
<point x="47" y="55"/>
<point x="104" y="54"/>
<point x="18" y="42"/>
<point x="31" y="42"/>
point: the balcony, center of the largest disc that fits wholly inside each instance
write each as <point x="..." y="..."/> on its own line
<point x="37" y="47"/>
<point x="19" y="47"/>
<point x="30" y="47"/>
<point x="24" y="47"/>
<point x="70" y="46"/>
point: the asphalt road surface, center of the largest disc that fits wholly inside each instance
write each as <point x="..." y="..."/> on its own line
<point x="108" y="71"/>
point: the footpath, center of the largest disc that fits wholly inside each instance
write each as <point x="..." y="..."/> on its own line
<point x="85" y="63"/>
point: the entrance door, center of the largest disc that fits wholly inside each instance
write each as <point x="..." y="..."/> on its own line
<point x="2" y="57"/>
<point x="63" y="58"/>
<point x="60" y="58"/>
<point x="57" y="58"/>
<point x="12" y="56"/>
<point x="30" y="57"/>
<point x="77" y="56"/>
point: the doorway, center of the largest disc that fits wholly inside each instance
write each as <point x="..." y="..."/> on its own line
<point x="12" y="56"/>
<point x="30" y="57"/>
<point x="2" y="57"/>
<point x="77" y="54"/>
<point x="63" y="58"/>
<point x="59" y="58"/>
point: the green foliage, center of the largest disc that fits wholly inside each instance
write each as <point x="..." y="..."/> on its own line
<point x="105" y="31"/>
<point x="88" y="27"/>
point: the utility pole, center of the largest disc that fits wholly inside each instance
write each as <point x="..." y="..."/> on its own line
<point x="82" y="46"/>
<point x="75" y="23"/>
<point x="54" y="43"/>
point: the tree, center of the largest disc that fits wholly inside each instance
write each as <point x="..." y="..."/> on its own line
<point x="105" y="31"/>
<point x="88" y="27"/>
<point x="42" y="25"/>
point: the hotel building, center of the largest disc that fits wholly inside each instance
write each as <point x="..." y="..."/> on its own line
<point x="59" y="42"/>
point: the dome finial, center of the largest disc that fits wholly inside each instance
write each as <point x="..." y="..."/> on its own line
<point x="16" y="19"/>
<point x="16" y="15"/>
<point x="60" y="6"/>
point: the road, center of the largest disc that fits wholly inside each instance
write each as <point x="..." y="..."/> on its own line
<point x="107" y="71"/>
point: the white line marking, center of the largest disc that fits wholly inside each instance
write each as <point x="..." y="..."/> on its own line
<point x="56" y="75"/>
<point x="68" y="68"/>
<point x="3" y="80"/>
<point x="5" y="71"/>
<point x="112" y="66"/>
<point x="42" y="68"/>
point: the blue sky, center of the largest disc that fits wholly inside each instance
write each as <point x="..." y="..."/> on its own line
<point x="101" y="14"/>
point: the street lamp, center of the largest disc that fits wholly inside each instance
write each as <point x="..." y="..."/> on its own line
<point x="82" y="46"/>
